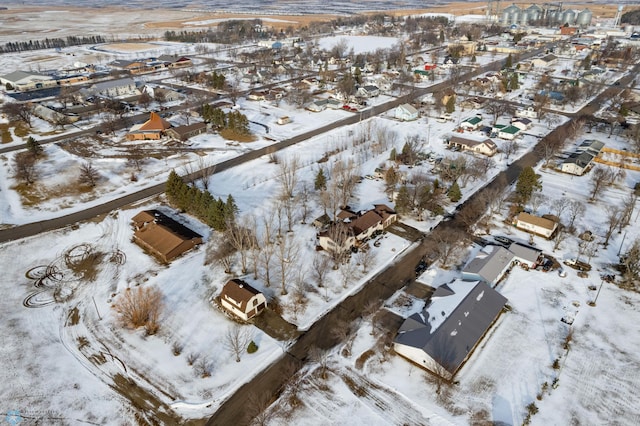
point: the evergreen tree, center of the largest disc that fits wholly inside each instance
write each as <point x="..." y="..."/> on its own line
<point x="451" y="104"/>
<point x="174" y="187"/>
<point x="393" y="155"/>
<point x="441" y="37"/>
<point x="33" y="146"/>
<point x="454" y="192"/>
<point x="473" y="59"/>
<point x="509" y="63"/>
<point x="230" y="209"/>
<point x="320" y="182"/>
<point x="403" y="200"/>
<point x="528" y="182"/>
<point x="357" y="75"/>
<point x="514" y="81"/>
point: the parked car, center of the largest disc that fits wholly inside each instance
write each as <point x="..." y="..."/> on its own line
<point x="503" y="240"/>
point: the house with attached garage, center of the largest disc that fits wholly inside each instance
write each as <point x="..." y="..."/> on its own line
<point x="351" y="229"/>
<point x="526" y="256"/>
<point x="183" y="133"/>
<point x="535" y="224"/>
<point x="406" y="112"/>
<point x="490" y="265"/>
<point x="442" y="337"/>
<point x="242" y="300"/>
<point x="163" y="236"/>
<point x="481" y="146"/>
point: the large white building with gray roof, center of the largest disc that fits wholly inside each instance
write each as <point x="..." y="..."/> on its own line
<point x="443" y="336"/>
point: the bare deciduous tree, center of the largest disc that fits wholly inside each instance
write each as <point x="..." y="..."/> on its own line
<point x="140" y="306"/>
<point x="88" y="174"/>
<point x="24" y="168"/>
<point x="576" y="210"/>
<point x="559" y="205"/>
<point x="536" y="201"/>
<point x="321" y="357"/>
<point x="287" y="254"/>
<point x="600" y="176"/>
<point x="288" y="175"/>
<point x="236" y="340"/>
<point x="220" y="252"/>
<point x="320" y="268"/>
<point x="509" y="148"/>
<point x="614" y="216"/>
<point x="365" y="258"/>
<point x="447" y="244"/>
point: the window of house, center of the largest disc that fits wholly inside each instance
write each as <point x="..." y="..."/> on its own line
<point x="255" y="302"/>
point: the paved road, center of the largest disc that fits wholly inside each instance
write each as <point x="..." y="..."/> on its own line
<point x="271" y="382"/>
<point x="31" y="229"/>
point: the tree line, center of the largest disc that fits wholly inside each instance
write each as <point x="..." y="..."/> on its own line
<point x="50" y="43"/>
<point x="214" y="212"/>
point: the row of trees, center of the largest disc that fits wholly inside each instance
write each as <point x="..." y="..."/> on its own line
<point x="216" y="213"/>
<point x="50" y="43"/>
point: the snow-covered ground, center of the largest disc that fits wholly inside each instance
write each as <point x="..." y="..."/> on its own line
<point x="76" y="348"/>
<point x="513" y="366"/>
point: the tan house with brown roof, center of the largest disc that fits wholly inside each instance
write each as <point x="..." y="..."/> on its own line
<point x="535" y="224"/>
<point x="154" y="128"/>
<point x="162" y="236"/>
<point x="242" y="300"/>
<point x="182" y="133"/>
<point x="352" y="228"/>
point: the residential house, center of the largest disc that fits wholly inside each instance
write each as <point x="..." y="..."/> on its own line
<point x="154" y="128"/>
<point x="406" y="112"/>
<point x="285" y="119"/>
<point x="481" y="146"/>
<point x="579" y="161"/>
<point x="183" y="133"/>
<point x="256" y="95"/>
<point x="162" y="236"/>
<point x="25" y="81"/>
<point x="508" y="132"/>
<point x="490" y="265"/>
<point x="369" y="91"/>
<point x="317" y="105"/>
<point x="352" y="229"/>
<point x="242" y="300"/>
<point x="53" y="116"/>
<point x="525" y="255"/>
<point x="112" y="89"/>
<point x="544" y="62"/>
<point x="535" y="224"/>
<point x="528" y="112"/>
<point x="443" y="336"/>
<point x="175" y="61"/>
<point x="521" y="123"/>
<point x="472" y="123"/>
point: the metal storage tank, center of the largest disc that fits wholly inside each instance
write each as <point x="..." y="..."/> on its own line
<point x="584" y="18"/>
<point x="511" y="14"/>
<point x="505" y="17"/>
<point x="534" y="12"/>
<point x="553" y="17"/>
<point x="524" y="17"/>
<point x="568" y="17"/>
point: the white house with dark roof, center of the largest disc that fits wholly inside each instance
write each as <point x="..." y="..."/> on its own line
<point x="242" y="300"/>
<point x="489" y="265"/>
<point x="443" y="336"/>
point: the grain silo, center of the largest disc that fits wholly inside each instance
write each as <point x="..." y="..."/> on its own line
<point x="568" y="17"/>
<point x="584" y="18"/>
